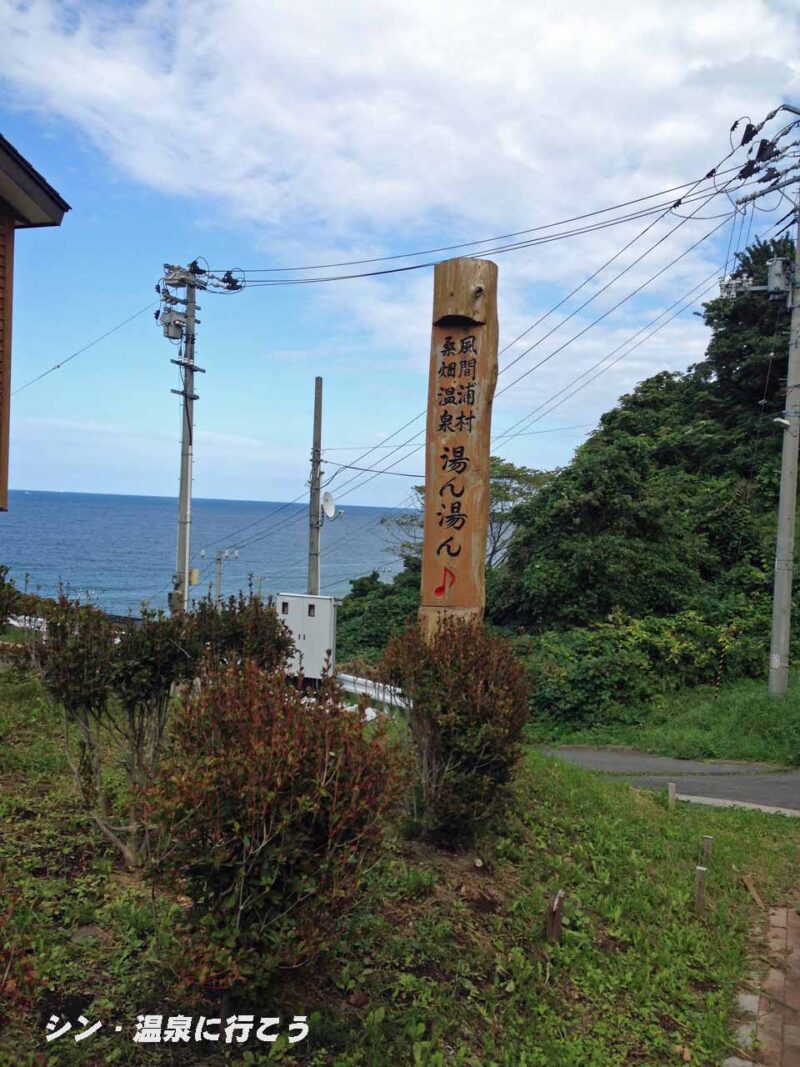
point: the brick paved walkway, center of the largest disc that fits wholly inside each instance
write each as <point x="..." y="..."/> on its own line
<point x="770" y="1028"/>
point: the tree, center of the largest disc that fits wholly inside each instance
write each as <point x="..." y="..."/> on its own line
<point x="509" y="486"/>
<point x="670" y="503"/>
<point x="374" y="610"/>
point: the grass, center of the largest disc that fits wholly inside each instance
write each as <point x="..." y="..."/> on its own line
<point x="741" y="722"/>
<point x="13" y="634"/>
<point x="443" y="962"/>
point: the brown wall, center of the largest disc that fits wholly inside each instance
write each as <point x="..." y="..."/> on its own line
<point x="6" y="276"/>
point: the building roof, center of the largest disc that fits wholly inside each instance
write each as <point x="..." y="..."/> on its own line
<point x="24" y="192"/>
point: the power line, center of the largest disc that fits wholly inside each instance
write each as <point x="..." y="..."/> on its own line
<point x="704" y="197"/>
<point x="376" y="473"/>
<point x="613" y="308"/>
<point x="355" y="448"/>
<point x="616" y="278"/>
<point x="421" y="414"/>
<point x="682" y="305"/>
<point x="624" y="345"/>
<point x="555" y="352"/>
<point x="497" y="250"/>
<point x="540" y="340"/>
<point x="371" y="470"/>
<point x="91" y="344"/>
<point x="686" y="199"/>
<point x="507" y="435"/>
<point x="487" y="240"/>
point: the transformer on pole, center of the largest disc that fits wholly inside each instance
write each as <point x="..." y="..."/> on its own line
<point x="179" y="321"/>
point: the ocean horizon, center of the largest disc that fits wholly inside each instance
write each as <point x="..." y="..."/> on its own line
<point x="118" y="550"/>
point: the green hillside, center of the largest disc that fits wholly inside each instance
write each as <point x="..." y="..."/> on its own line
<point x="645" y="564"/>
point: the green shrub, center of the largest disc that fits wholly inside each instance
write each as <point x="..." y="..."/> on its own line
<point x="587" y="675"/>
<point x="374" y="611"/>
<point x="608" y="672"/>
<point x="150" y="659"/>
<point x="269" y="806"/>
<point x="469" y="702"/>
<point x="87" y="661"/>
<point x="243" y="627"/>
<point x="78" y="668"/>
<point x="9" y="596"/>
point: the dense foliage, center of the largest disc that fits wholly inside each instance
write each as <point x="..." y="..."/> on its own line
<point x="609" y="671"/>
<point x="468" y="705"/>
<point x="374" y="611"/>
<point x="270" y="804"/>
<point x="670" y="505"/>
<point x="243" y="627"/>
<point x="663" y="522"/>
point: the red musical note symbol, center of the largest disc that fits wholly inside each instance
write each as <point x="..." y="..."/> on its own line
<point x="440" y="590"/>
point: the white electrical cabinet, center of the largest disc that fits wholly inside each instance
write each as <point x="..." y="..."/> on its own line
<point x="311" y="621"/>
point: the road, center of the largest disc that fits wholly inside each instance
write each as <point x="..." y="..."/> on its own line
<point x="751" y="783"/>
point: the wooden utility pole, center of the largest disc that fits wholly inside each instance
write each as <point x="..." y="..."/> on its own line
<point x="462" y="379"/>
<point x="314" y="514"/>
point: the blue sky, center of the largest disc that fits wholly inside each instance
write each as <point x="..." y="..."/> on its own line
<point x="280" y="134"/>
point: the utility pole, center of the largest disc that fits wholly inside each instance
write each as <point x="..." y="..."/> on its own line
<point x="181" y="325"/>
<point x="178" y="319"/>
<point x="218" y="570"/>
<point x="187" y="441"/>
<point x="778" y="283"/>
<point x="787" y="506"/>
<point x="314" y="512"/>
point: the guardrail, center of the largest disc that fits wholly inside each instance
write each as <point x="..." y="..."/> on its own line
<point x="387" y="695"/>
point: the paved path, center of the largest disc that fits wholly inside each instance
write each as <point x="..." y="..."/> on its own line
<point x="753" y="783"/>
<point x="769" y="1032"/>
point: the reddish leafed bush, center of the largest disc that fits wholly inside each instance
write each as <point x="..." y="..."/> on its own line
<point x="269" y="805"/>
<point x="469" y="702"/>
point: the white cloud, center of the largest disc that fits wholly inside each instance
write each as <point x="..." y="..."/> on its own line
<point x="347" y="129"/>
<point x="354" y="115"/>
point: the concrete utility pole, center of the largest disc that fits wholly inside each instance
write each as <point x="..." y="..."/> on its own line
<point x="787" y="506"/>
<point x="218" y="574"/>
<point x="187" y="440"/>
<point x="177" y="317"/>
<point x="181" y="325"/>
<point x="314" y="513"/>
<point x="222" y="555"/>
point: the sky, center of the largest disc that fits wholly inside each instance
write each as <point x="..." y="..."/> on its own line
<point x="278" y="134"/>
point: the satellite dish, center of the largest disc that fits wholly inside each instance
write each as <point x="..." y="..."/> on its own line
<point x="328" y="505"/>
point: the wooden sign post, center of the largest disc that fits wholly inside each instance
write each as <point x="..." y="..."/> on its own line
<point x="463" y="375"/>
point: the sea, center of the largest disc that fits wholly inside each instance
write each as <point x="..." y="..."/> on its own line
<point x="119" y="551"/>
